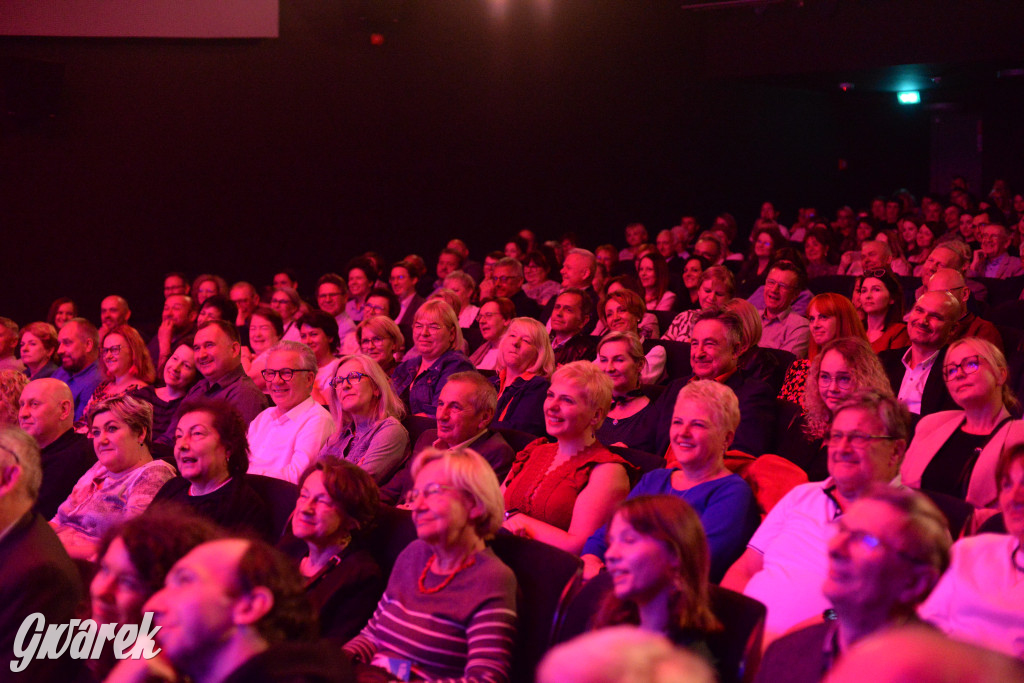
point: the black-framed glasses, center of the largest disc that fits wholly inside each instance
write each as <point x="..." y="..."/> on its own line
<point x="372" y="341"/>
<point x="428" y="491"/>
<point x="285" y="373"/>
<point x="876" y="273"/>
<point x="781" y="285"/>
<point x="841" y="380"/>
<point x="858" y="440"/>
<point x="969" y="365"/>
<point x="350" y="379"/>
<point x="112" y="350"/>
<point x="433" y="328"/>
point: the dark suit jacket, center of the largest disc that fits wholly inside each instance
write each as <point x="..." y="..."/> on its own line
<point x="935" y="396"/>
<point x="410" y="312"/>
<point x="64" y="462"/>
<point x="582" y="346"/>
<point x="525" y="306"/>
<point x="347" y="594"/>
<point x="757" y="413"/>
<point x="36" y="575"/>
<point x="549" y="308"/>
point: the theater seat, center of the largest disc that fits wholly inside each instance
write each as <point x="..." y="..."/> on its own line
<point x="517" y="439"/>
<point x="769" y="476"/>
<point x="642" y="460"/>
<point x="280" y="495"/>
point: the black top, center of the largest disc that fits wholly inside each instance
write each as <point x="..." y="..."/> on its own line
<point x="163" y="411"/>
<point x="64" y="462"/>
<point x="346" y="593"/>
<point x="295" y="662"/>
<point x="950" y="470"/>
<point x="235" y="506"/>
<point x="637" y="431"/>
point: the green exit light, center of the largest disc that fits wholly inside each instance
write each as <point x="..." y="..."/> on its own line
<point x="909" y="97"/>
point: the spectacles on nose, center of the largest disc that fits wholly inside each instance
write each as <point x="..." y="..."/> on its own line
<point x="505" y="278"/>
<point x="372" y="341"/>
<point x="428" y="492"/>
<point x="858" y="440"/>
<point x="870" y="541"/>
<point x="781" y="285"/>
<point x="842" y="381"/>
<point x="285" y="373"/>
<point x="112" y="350"/>
<point x="969" y="365"/>
<point x="433" y="328"/>
<point x="349" y="379"/>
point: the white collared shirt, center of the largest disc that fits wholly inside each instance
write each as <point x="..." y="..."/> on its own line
<point x="914" y="380"/>
<point x="284" y="444"/>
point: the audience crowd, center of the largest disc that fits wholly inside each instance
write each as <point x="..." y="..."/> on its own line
<point x="768" y="447"/>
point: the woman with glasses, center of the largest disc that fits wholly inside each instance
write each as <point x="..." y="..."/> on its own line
<point x="211" y="450"/>
<point x="715" y="287"/>
<point x="493" y="320"/>
<point x="437" y="338"/>
<point x="367" y="414"/>
<point x="125" y="365"/>
<point x="382" y="340"/>
<point x="334" y="512"/>
<point x="881" y="301"/>
<point x="319" y="332"/>
<point x="955" y="451"/>
<point x="288" y="304"/>
<point x="449" y="609"/>
<point x="535" y="273"/>
<point x="844" y="366"/>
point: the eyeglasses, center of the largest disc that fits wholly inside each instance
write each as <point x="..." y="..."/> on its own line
<point x="350" y="379"/>
<point x="328" y="295"/>
<point x="285" y="373"/>
<point x="280" y="302"/>
<point x="488" y="316"/>
<point x="969" y="365"/>
<point x="372" y="341"/>
<point x="781" y="285"/>
<point x="876" y="273"/>
<point x="112" y="350"/>
<point x="870" y="541"/>
<point x="842" y="381"/>
<point x="428" y="492"/>
<point x="858" y="440"/>
<point x="433" y="328"/>
<point x="505" y="278"/>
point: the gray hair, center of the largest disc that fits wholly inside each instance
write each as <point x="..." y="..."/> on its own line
<point x="23" y="446"/>
<point x="509" y="262"/>
<point x="484" y="397"/>
<point x="307" y="359"/>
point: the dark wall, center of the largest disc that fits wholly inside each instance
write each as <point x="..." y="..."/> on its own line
<point x="240" y="157"/>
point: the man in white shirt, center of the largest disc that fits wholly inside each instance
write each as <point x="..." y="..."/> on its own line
<point x="287" y="437"/>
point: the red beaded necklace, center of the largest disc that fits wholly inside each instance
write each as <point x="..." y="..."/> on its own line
<point x="467" y="563"/>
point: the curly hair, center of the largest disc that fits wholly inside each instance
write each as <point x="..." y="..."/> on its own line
<point x="865" y="368"/>
<point x="12" y="382"/>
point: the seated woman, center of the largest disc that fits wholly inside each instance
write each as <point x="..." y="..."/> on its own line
<point x="560" y="493"/>
<point x="818" y="253"/>
<point x="449" y="609"/>
<point x="367" y="414"/>
<point x="955" y="451"/>
<point x="123" y="481"/>
<point x="844" y="366"/>
<point x="537" y="286"/>
<point x="319" y="331"/>
<point x="881" y="300"/>
<point x="658" y="559"/>
<point x="337" y="504"/>
<point x="207" y="285"/>
<point x="265" y="330"/>
<point x="648" y="323"/>
<point x="179" y="375"/>
<point x="37" y="344"/>
<point x="493" y="320"/>
<point x="716" y="287"/>
<point x="287" y="303"/>
<point x="926" y="235"/>
<point x="124" y="365"/>
<point x="653" y="273"/>
<point x="978" y="598"/>
<point x="437" y="338"/>
<point x="693" y="268"/>
<point x="831" y="316"/>
<point x="524" y="368"/>
<point x="134" y="559"/>
<point x="704" y="421"/>
<point x="622" y="311"/>
<point x="381" y="339"/>
<point x="212" y="453"/>
<point x="61" y="310"/>
<point x="630" y="421"/>
<point x="764" y="245"/>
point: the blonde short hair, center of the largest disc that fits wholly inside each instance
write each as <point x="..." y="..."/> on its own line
<point x="467" y="471"/>
<point x="719" y="399"/>
<point x="439" y="311"/>
<point x="595" y="384"/>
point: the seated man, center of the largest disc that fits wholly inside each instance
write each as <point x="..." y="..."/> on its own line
<point x="993" y="259"/>
<point x="508" y="282"/>
<point x="246" y="298"/>
<point x="47" y="412"/>
<point x="786" y="561"/>
<point x="889" y="550"/>
<point x="403" y="281"/>
<point x="114" y="311"/>
<point x="331" y="297"/>
<point x="781" y="327"/>
<point x="578" y="270"/>
<point x="79" y="351"/>
<point x="969" y="324"/>
<point x="38" y="577"/>
<point x="287" y="437"/>
<point x="715" y="349"/>
<point x="465" y="408"/>
<point x="448" y="261"/>
<point x="569" y="318"/>
<point x="219" y="360"/>
<point x="950" y="254"/>
<point x="179" y="323"/>
<point x="874" y="255"/>
<point x="915" y="372"/>
<point x="232" y="611"/>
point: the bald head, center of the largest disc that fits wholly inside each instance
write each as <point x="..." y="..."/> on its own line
<point x="952" y="281"/>
<point x="114" y="311"/>
<point x="46" y="410"/>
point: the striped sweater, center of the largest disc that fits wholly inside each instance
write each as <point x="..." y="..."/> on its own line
<point x="464" y="632"/>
